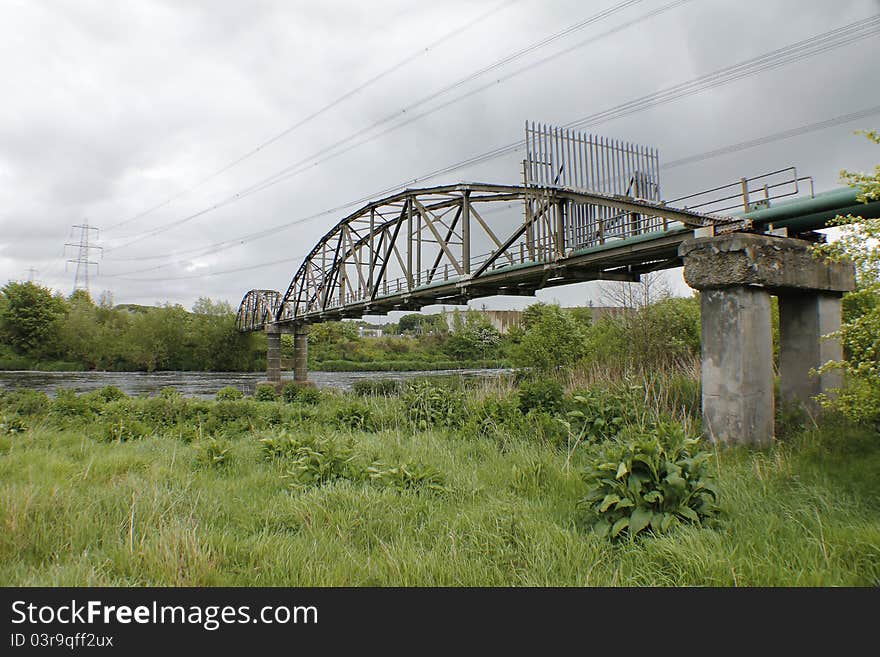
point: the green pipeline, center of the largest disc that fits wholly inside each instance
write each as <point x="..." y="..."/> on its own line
<point x="813" y="213"/>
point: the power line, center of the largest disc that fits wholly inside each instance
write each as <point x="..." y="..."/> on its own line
<point x="298" y="167"/>
<point x="699" y="157"/>
<point x="337" y="101"/>
<point x="818" y="44"/>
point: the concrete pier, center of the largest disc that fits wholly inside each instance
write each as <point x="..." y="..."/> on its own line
<point x="737" y="372"/>
<point x="803" y="320"/>
<point x="301" y="354"/>
<point x="273" y="355"/>
<point x="736" y="275"/>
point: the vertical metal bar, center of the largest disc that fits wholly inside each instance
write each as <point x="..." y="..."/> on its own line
<point x="466" y="232"/>
<point x="745" y="194"/>
<point x="372" y="249"/>
<point x="419" y="248"/>
<point x="409" y="243"/>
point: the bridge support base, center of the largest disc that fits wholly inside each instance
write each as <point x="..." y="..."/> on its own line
<point x="736" y="275"/>
<point x="273" y="356"/>
<point x="301" y="354"/>
<point x="803" y="319"/>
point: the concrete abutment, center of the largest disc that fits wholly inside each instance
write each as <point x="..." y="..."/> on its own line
<point x="736" y="275"/>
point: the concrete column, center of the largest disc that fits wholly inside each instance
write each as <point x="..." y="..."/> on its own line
<point x="301" y="354"/>
<point x="737" y="372"/>
<point x="273" y="356"/>
<point x="804" y="317"/>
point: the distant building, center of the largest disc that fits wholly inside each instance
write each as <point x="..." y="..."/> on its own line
<point x="370" y="332"/>
<point x="504" y="320"/>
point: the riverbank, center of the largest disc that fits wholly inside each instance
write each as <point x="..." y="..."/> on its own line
<point x="429" y="487"/>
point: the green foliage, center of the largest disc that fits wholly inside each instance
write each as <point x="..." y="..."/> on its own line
<point x="649" y="481"/>
<point x="428" y="404"/>
<point x="295" y="392"/>
<point x="265" y="392"/>
<point x="376" y="387"/>
<point x="353" y="414"/>
<point x="472" y="337"/>
<point x="10" y="425"/>
<point x="25" y="402"/>
<point x="541" y="395"/>
<point x="551" y="338"/>
<point x="319" y="460"/>
<point x="111" y="393"/>
<point x="229" y="393"/>
<point x="599" y="414"/>
<point x="859" y="242"/>
<point x="214" y="452"/>
<point x="29" y="315"/>
<point x="68" y="406"/>
<point x="416" y="477"/>
<point x="122" y="429"/>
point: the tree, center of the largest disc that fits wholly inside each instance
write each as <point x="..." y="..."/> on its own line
<point x="472" y="337"/>
<point x="28" y="317"/>
<point x="859" y="242"/>
<point x="551" y="338"/>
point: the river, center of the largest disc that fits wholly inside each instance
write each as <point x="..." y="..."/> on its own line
<point x="198" y="384"/>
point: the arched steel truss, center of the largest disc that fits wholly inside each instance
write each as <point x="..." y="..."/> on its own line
<point x="440" y="245"/>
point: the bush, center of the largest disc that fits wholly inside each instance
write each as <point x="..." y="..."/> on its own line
<point x="541" y="395"/>
<point x="295" y="392"/>
<point x="376" y="387"/>
<point x="353" y="415"/>
<point x="122" y="430"/>
<point x="68" y="406"/>
<point x="265" y="392"/>
<point x="110" y="394"/>
<point x="653" y="481"/>
<point x="10" y="425"/>
<point x="428" y="404"/>
<point x="25" y="402"/>
<point x="598" y="414"/>
<point x="229" y="393"/>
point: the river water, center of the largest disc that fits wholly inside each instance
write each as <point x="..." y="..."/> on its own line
<point x="198" y="384"/>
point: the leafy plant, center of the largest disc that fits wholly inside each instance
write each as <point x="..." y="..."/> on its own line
<point x="229" y="393"/>
<point x="10" y="425"/>
<point x="541" y="395"/>
<point x="408" y="477"/>
<point x="649" y="481"/>
<point x="122" y="430"/>
<point x="353" y="415"/>
<point x="375" y="387"/>
<point x="295" y="392"/>
<point x="110" y="394"/>
<point x="265" y="392"/>
<point x="319" y="460"/>
<point x="428" y="404"/>
<point x="214" y="452"/>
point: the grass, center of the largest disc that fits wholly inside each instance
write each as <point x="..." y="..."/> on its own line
<point x="78" y="510"/>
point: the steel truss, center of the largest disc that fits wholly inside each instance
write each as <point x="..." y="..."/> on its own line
<point x="451" y="243"/>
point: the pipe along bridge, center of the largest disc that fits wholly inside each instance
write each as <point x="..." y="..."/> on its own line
<point x="590" y="209"/>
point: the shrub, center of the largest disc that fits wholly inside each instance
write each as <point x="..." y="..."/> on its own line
<point x="428" y="404"/>
<point x="353" y="415"/>
<point x="25" y="402"/>
<point x="111" y="393"/>
<point x="599" y="414"/>
<point x="229" y="393"/>
<point x="265" y="392"/>
<point x="295" y="392"/>
<point x="375" y="387"/>
<point x="68" y="406"/>
<point x="650" y="481"/>
<point x="541" y="395"/>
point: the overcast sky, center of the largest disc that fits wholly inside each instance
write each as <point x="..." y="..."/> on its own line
<point x="110" y="109"/>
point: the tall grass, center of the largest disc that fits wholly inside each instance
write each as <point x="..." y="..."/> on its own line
<point x="77" y="509"/>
